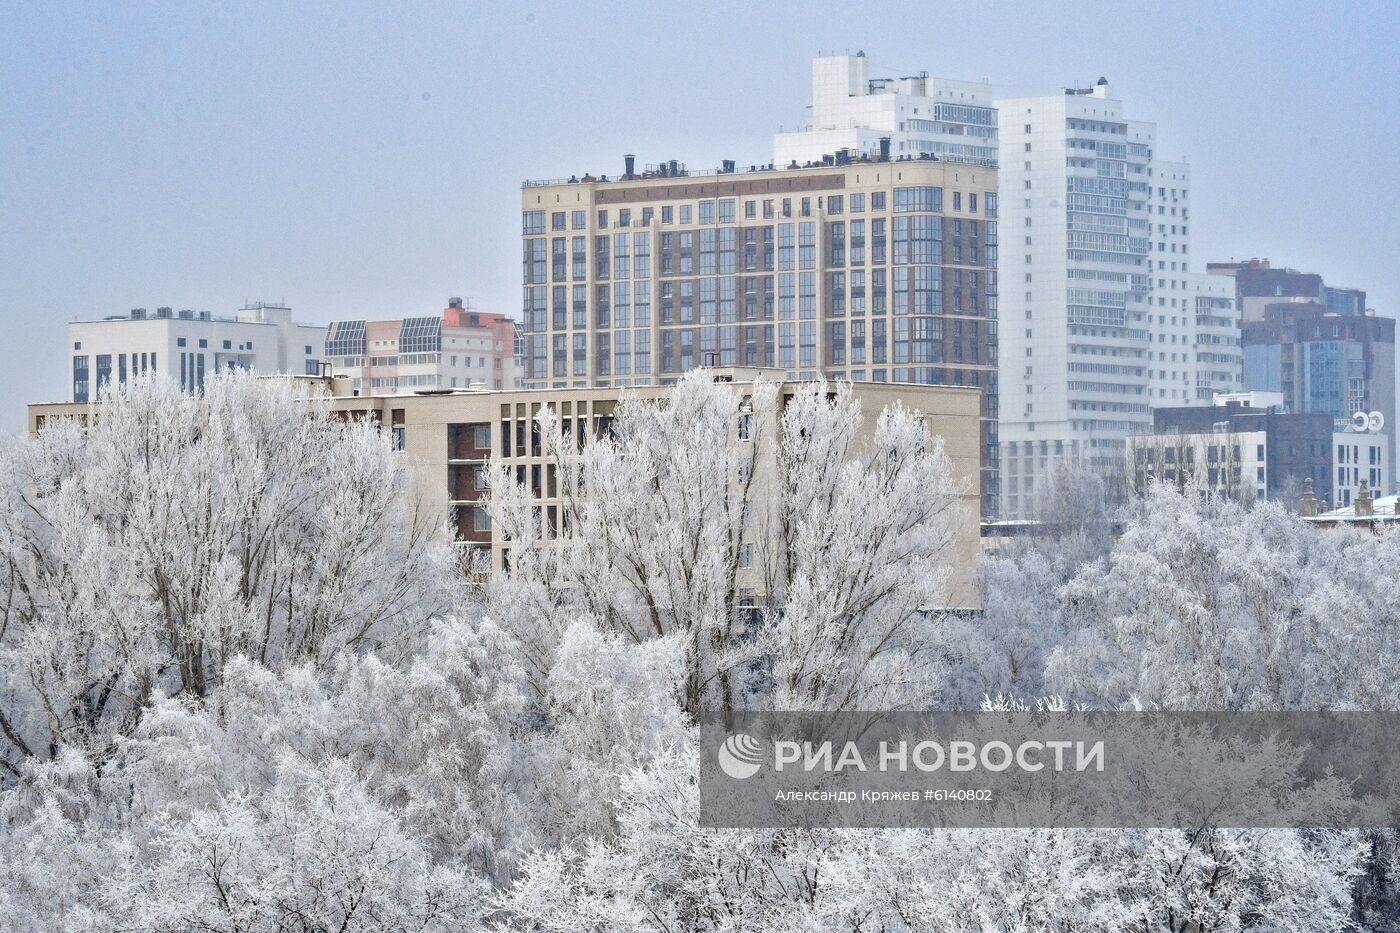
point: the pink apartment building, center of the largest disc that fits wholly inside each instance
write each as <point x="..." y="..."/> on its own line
<point x="458" y="349"/>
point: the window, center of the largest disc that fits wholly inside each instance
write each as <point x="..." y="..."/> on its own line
<point x="877" y="201"/>
<point x="922" y="198"/>
<point x="180" y="342"/>
<point x="80" y="379"/>
<point x="532" y="222"/>
<point x="481" y="519"/>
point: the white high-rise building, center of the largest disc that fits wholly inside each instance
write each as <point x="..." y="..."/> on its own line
<point x="1102" y="318"/>
<point x="952" y="121"/>
<point x="1195" y="352"/>
<point x="1075" y="344"/>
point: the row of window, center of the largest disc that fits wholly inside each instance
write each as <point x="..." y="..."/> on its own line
<point x="904" y="340"/>
<point x="922" y="289"/>
<point x="915" y="198"/>
<point x="917" y="238"/>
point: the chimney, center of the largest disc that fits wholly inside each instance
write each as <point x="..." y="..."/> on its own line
<point x="1364" y="506"/>
<point x="1308" y="505"/>
<point x="630" y="161"/>
<point x="884" y="148"/>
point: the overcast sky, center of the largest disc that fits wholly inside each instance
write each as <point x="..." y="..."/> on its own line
<point x="359" y="159"/>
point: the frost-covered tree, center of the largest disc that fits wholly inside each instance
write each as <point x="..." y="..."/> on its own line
<point x="691" y="506"/>
<point x="145" y="550"/>
<point x="1005" y="649"/>
<point x="662" y="872"/>
<point x="298" y="723"/>
<point x="1204" y="604"/>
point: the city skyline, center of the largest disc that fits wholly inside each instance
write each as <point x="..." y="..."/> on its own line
<point x="376" y="172"/>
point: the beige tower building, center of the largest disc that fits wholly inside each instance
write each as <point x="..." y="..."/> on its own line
<point x="860" y="267"/>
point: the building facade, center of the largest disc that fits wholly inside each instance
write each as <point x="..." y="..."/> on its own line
<point x="1245" y="446"/>
<point x="1359" y="456"/>
<point x="450" y="436"/>
<point x="458" y="349"/>
<point x="190" y="346"/>
<point x="879" y="271"/>
<point x="952" y="121"/>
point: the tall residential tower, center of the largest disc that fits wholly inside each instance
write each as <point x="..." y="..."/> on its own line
<point x="862" y="268"/>
<point x="1102" y="318"/>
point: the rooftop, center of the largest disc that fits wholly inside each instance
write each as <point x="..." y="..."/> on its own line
<point x="676" y="169"/>
<point x="250" y="313"/>
<point x="1383" y="509"/>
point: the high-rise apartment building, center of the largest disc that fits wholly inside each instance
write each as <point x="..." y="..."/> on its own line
<point x="459" y="348"/>
<point x="1338" y="365"/>
<point x="1078" y="355"/>
<point x="953" y="121"/>
<point x="1317" y="344"/>
<point x="1102" y="317"/>
<point x="190" y="346"/>
<point x="1193" y="325"/>
<point x="1256" y="283"/>
<point x="868" y="269"/>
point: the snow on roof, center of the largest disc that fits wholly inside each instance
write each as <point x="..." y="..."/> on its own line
<point x="1382" y="507"/>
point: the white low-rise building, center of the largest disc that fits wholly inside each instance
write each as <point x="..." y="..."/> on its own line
<point x="190" y="346"/>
